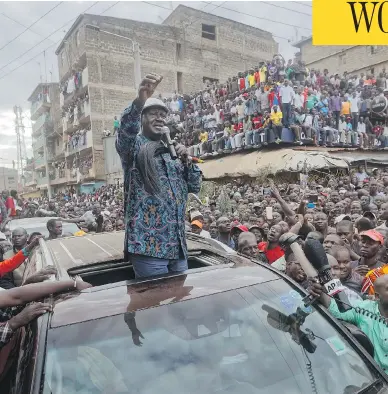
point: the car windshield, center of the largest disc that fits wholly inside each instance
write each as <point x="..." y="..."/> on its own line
<point x="248" y="340"/>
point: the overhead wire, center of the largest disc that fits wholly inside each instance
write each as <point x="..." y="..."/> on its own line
<point x="34" y="57"/>
<point x="263" y="18"/>
<point x="285" y="8"/>
<point x="32" y="24"/>
<point x="219" y="6"/>
<point x="21" y="24"/>
<point x="304" y="3"/>
<point x="103" y="12"/>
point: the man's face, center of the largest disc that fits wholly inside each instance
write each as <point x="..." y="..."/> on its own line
<point x="338" y="209"/>
<point x="249" y="247"/>
<point x="295" y="271"/>
<point x="19" y="237"/>
<point x="223" y="225"/>
<point x="257" y="234"/>
<point x="276" y="217"/>
<point x="274" y="233"/>
<point x="344" y="231"/>
<point x="369" y="247"/>
<point x="320" y="221"/>
<point x="355" y="208"/>
<point x="57" y="228"/>
<point x="335" y="197"/>
<point x="373" y="188"/>
<point x="330" y="241"/>
<point x="343" y="258"/>
<point x="213" y="230"/>
<point x="153" y="121"/>
<point x="119" y="225"/>
<point x="195" y="229"/>
<point x="364" y="200"/>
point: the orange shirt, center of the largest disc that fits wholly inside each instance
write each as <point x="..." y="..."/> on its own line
<point x="12" y="263"/>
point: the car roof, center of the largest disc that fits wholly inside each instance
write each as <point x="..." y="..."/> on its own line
<point x="29" y="222"/>
<point x="118" y="298"/>
<point x="72" y="252"/>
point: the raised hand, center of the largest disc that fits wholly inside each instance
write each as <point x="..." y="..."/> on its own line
<point x="148" y="86"/>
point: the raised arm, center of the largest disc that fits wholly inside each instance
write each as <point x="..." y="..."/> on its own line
<point x="130" y="123"/>
<point x="36" y="291"/>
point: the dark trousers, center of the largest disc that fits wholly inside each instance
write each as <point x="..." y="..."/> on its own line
<point x="286" y="108"/>
<point x="336" y="114"/>
<point x="277" y="131"/>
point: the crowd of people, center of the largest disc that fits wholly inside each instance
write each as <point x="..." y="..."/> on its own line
<point x="277" y="102"/>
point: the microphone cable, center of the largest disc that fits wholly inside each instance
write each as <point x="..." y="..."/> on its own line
<point x="364" y="312"/>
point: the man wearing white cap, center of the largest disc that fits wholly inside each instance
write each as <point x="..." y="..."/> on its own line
<point x="155" y="186"/>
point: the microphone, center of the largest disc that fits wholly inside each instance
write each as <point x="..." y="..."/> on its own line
<point x="170" y="143"/>
<point x="316" y="255"/>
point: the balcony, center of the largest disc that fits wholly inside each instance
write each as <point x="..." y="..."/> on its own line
<point x="40" y="107"/>
<point x="41" y="121"/>
<point x="80" y="90"/>
<point x="83" y="142"/>
<point x="31" y="182"/>
<point x="42" y="182"/>
<point x="84" y="114"/>
<point x="61" y="176"/>
<point x="38" y="143"/>
<point x="39" y="163"/>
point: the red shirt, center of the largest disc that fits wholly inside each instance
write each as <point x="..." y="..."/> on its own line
<point x="10" y="204"/>
<point x="271" y="254"/>
<point x="257" y="122"/>
<point x="241" y="83"/>
<point x="257" y="77"/>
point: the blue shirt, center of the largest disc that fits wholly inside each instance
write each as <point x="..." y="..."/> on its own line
<point x="154" y="225"/>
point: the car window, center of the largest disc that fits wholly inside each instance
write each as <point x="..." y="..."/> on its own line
<point x="243" y="341"/>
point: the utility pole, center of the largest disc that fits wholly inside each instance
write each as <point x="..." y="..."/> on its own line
<point x="20" y="143"/>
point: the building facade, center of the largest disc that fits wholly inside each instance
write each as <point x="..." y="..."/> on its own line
<point x="8" y="179"/>
<point x="97" y="78"/>
<point x="46" y="135"/>
<point x="369" y="59"/>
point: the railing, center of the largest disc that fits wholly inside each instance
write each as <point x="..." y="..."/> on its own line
<point x="42" y="181"/>
<point x="38" y="143"/>
<point x="81" y="143"/>
<point x="39" y="161"/>
<point x="40" y="122"/>
<point x="37" y="106"/>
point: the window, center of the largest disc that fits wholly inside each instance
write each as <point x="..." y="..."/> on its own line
<point x="180" y="82"/>
<point x="342" y="59"/>
<point x="11" y="178"/>
<point x="209" y="32"/>
<point x="373" y="49"/>
<point x="178" y="50"/>
<point x="372" y="70"/>
<point x="208" y="82"/>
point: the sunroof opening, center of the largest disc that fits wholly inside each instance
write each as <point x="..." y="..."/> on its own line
<point x="118" y="271"/>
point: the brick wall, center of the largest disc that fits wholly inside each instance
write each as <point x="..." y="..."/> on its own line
<point x="353" y="59"/>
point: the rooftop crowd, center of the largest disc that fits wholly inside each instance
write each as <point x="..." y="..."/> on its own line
<point x="277" y="102"/>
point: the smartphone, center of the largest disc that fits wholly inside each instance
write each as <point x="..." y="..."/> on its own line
<point x="313" y="198"/>
<point x="268" y="213"/>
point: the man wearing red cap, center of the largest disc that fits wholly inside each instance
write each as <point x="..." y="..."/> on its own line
<point x="370" y="245"/>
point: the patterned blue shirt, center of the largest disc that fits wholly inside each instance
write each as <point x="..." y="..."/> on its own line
<point x="155" y="225"/>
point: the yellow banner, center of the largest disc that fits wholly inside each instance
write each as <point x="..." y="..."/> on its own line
<point x="339" y="22"/>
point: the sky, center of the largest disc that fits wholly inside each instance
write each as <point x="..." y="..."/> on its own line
<point x="31" y="31"/>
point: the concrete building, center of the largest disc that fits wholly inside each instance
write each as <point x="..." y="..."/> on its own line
<point x="189" y="48"/>
<point x="8" y="179"/>
<point x="46" y="134"/>
<point x="354" y="59"/>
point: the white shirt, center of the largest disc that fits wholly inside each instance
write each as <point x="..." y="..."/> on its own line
<point x="308" y="121"/>
<point x="287" y="94"/>
<point x="354" y="101"/>
<point x="361" y="127"/>
<point x="298" y="101"/>
<point x="205" y="234"/>
<point x="174" y="106"/>
<point x="341" y="126"/>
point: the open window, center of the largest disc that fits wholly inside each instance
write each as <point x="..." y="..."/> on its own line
<point x="209" y="32"/>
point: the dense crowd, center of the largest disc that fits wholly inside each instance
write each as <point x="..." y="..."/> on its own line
<point x="348" y="215"/>
<point x="277" y="102"/>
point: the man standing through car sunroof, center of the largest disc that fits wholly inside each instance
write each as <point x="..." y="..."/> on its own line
<point x="155" y="186"/>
